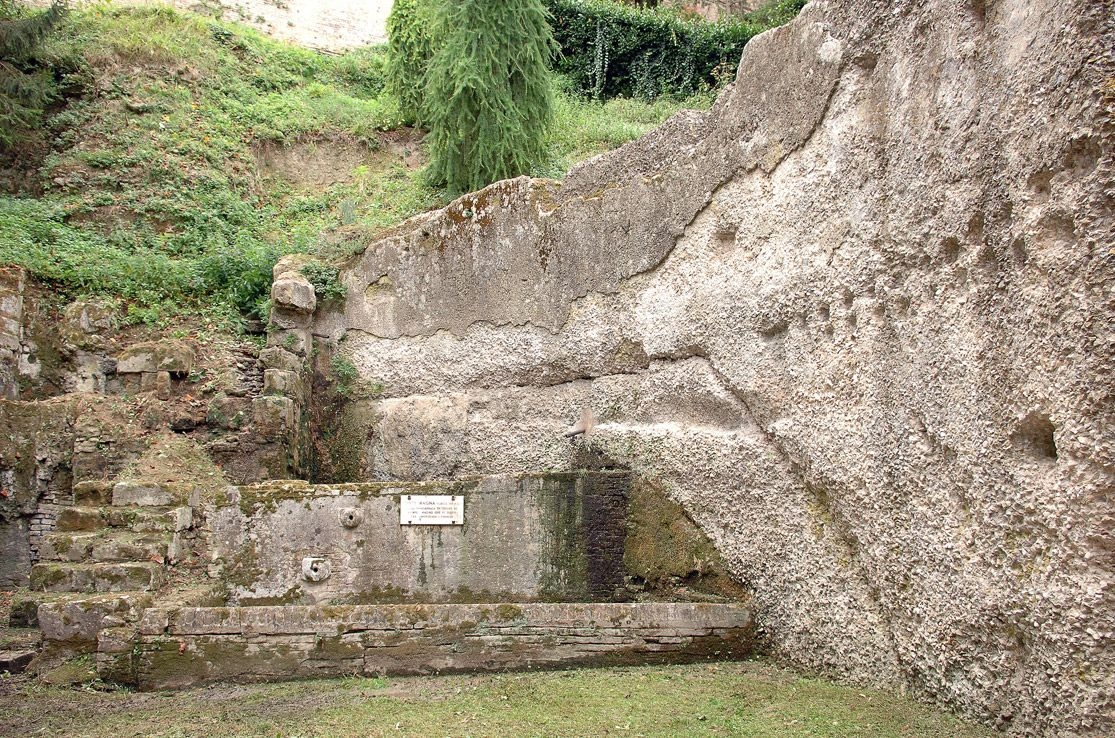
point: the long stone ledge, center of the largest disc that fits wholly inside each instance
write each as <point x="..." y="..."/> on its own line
<point x="184" y="647"/>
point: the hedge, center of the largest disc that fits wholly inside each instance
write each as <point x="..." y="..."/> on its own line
<point x="612" y="50"/>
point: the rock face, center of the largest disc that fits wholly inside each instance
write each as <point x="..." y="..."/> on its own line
<point x="857" y="319"/>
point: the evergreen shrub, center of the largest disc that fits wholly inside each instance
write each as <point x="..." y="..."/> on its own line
<point x="611" y="50"/>
<point x="410" y="46"/>
<point x="489" y="97"/>
<point x="26" y="85"/>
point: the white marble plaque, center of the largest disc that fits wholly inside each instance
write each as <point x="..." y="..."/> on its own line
<point x="431" y="510"/>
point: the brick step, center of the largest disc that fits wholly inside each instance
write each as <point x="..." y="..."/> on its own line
<point x="138" y="519"/>
<point x="104" y="546"/>
<point x="118" y="577"/>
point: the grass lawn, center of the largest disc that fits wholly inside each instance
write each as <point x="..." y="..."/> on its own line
<point x="731" y="699"/>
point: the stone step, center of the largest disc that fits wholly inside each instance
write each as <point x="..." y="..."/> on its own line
<point x="147" y="494"/>
<point x="24" y="612"/>
<point x="139" y="519"/>
<point x="117" y="577"/>
<point x="182" y="647"/>
<point x="104" y="546"/>
<point x="93" y="492"/>
<point x="19" y="639"/>
<point x="14" y="662"/>
<point x="74" y="623"/>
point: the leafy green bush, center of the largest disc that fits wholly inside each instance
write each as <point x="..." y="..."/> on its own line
<point x="612" y="50"/>
<point x="488" y="92"/>
<point x="326" y="280"/>
<point x="345" y="374"/>
<point x="34" y="234"/>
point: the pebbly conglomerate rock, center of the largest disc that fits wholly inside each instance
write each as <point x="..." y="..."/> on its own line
<point x="858" y="319"/>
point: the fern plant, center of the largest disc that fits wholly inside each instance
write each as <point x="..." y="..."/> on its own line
<point x="25" y="88"/>
<point x="488" y="94"/>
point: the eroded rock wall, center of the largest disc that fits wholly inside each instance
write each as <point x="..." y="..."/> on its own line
<point x="857" y="319"/>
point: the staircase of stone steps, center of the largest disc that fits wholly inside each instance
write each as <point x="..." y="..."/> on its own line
<point x="104" y="564"/>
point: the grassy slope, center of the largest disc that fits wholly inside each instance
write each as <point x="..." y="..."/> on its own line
<point x="152" y="189"/>
<point x="750" y="699"/>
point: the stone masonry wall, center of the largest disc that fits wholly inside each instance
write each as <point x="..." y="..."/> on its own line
<point x="534" y="537"/>
<point x="36" y="455"/>
<point x="188" y="646"/>
<point x="856" y="319"/>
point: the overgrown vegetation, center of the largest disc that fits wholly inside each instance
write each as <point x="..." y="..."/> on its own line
<point x="488" y="92"/>
<point x="410" y="46"/>
<point x="151" y="187"/>
<point x="153" y="170"/>
<point x="611" y="50"/>
<point x="25" y="87"/>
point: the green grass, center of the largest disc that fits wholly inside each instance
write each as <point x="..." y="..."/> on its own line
<point x="750" y="699"/>
<point x="151" y="187"/>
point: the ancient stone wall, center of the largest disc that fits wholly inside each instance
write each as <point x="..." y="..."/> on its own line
<point x="550" y="537"/>
<point x="188" y="646"/>
<point x="856" y="320"/>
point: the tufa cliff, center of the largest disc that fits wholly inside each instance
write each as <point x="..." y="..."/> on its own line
<point x="857" y="320"/>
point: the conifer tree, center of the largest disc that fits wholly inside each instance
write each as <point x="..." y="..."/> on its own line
<point x="24" y="88"/>
<point x="488" y="95"/>
<point x="410" y="44"/>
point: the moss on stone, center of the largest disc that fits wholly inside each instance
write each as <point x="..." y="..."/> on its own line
<point x="564" y="557"/>
<point x="667" y="549"/>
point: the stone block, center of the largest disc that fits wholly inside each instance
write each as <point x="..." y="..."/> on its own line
<point x="289" y="264"/>
<point x="115" y="577"/>
<point x="281" y="382"/>
<point x="295" y="341"/>
<point x="88" y="317"/>
<point x="15" y="552"/>
<point x="76" y="622"/>
<point x="176" y="357"/>
<point x="141" y="494"/>
<point x="228" y="412"/>
<point x="276" y="357"/>
<point x="93" y="492"/>
<point x="73" y="519"/>
<point x="274" y="416"/>
<point x="11" y="305"/>
<point x="290" y="320"/>
<point x="188" y="646"/>
<point x="294" y="293"/>
<point x="15" y="661"/>
<point x="183" y="518"/>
